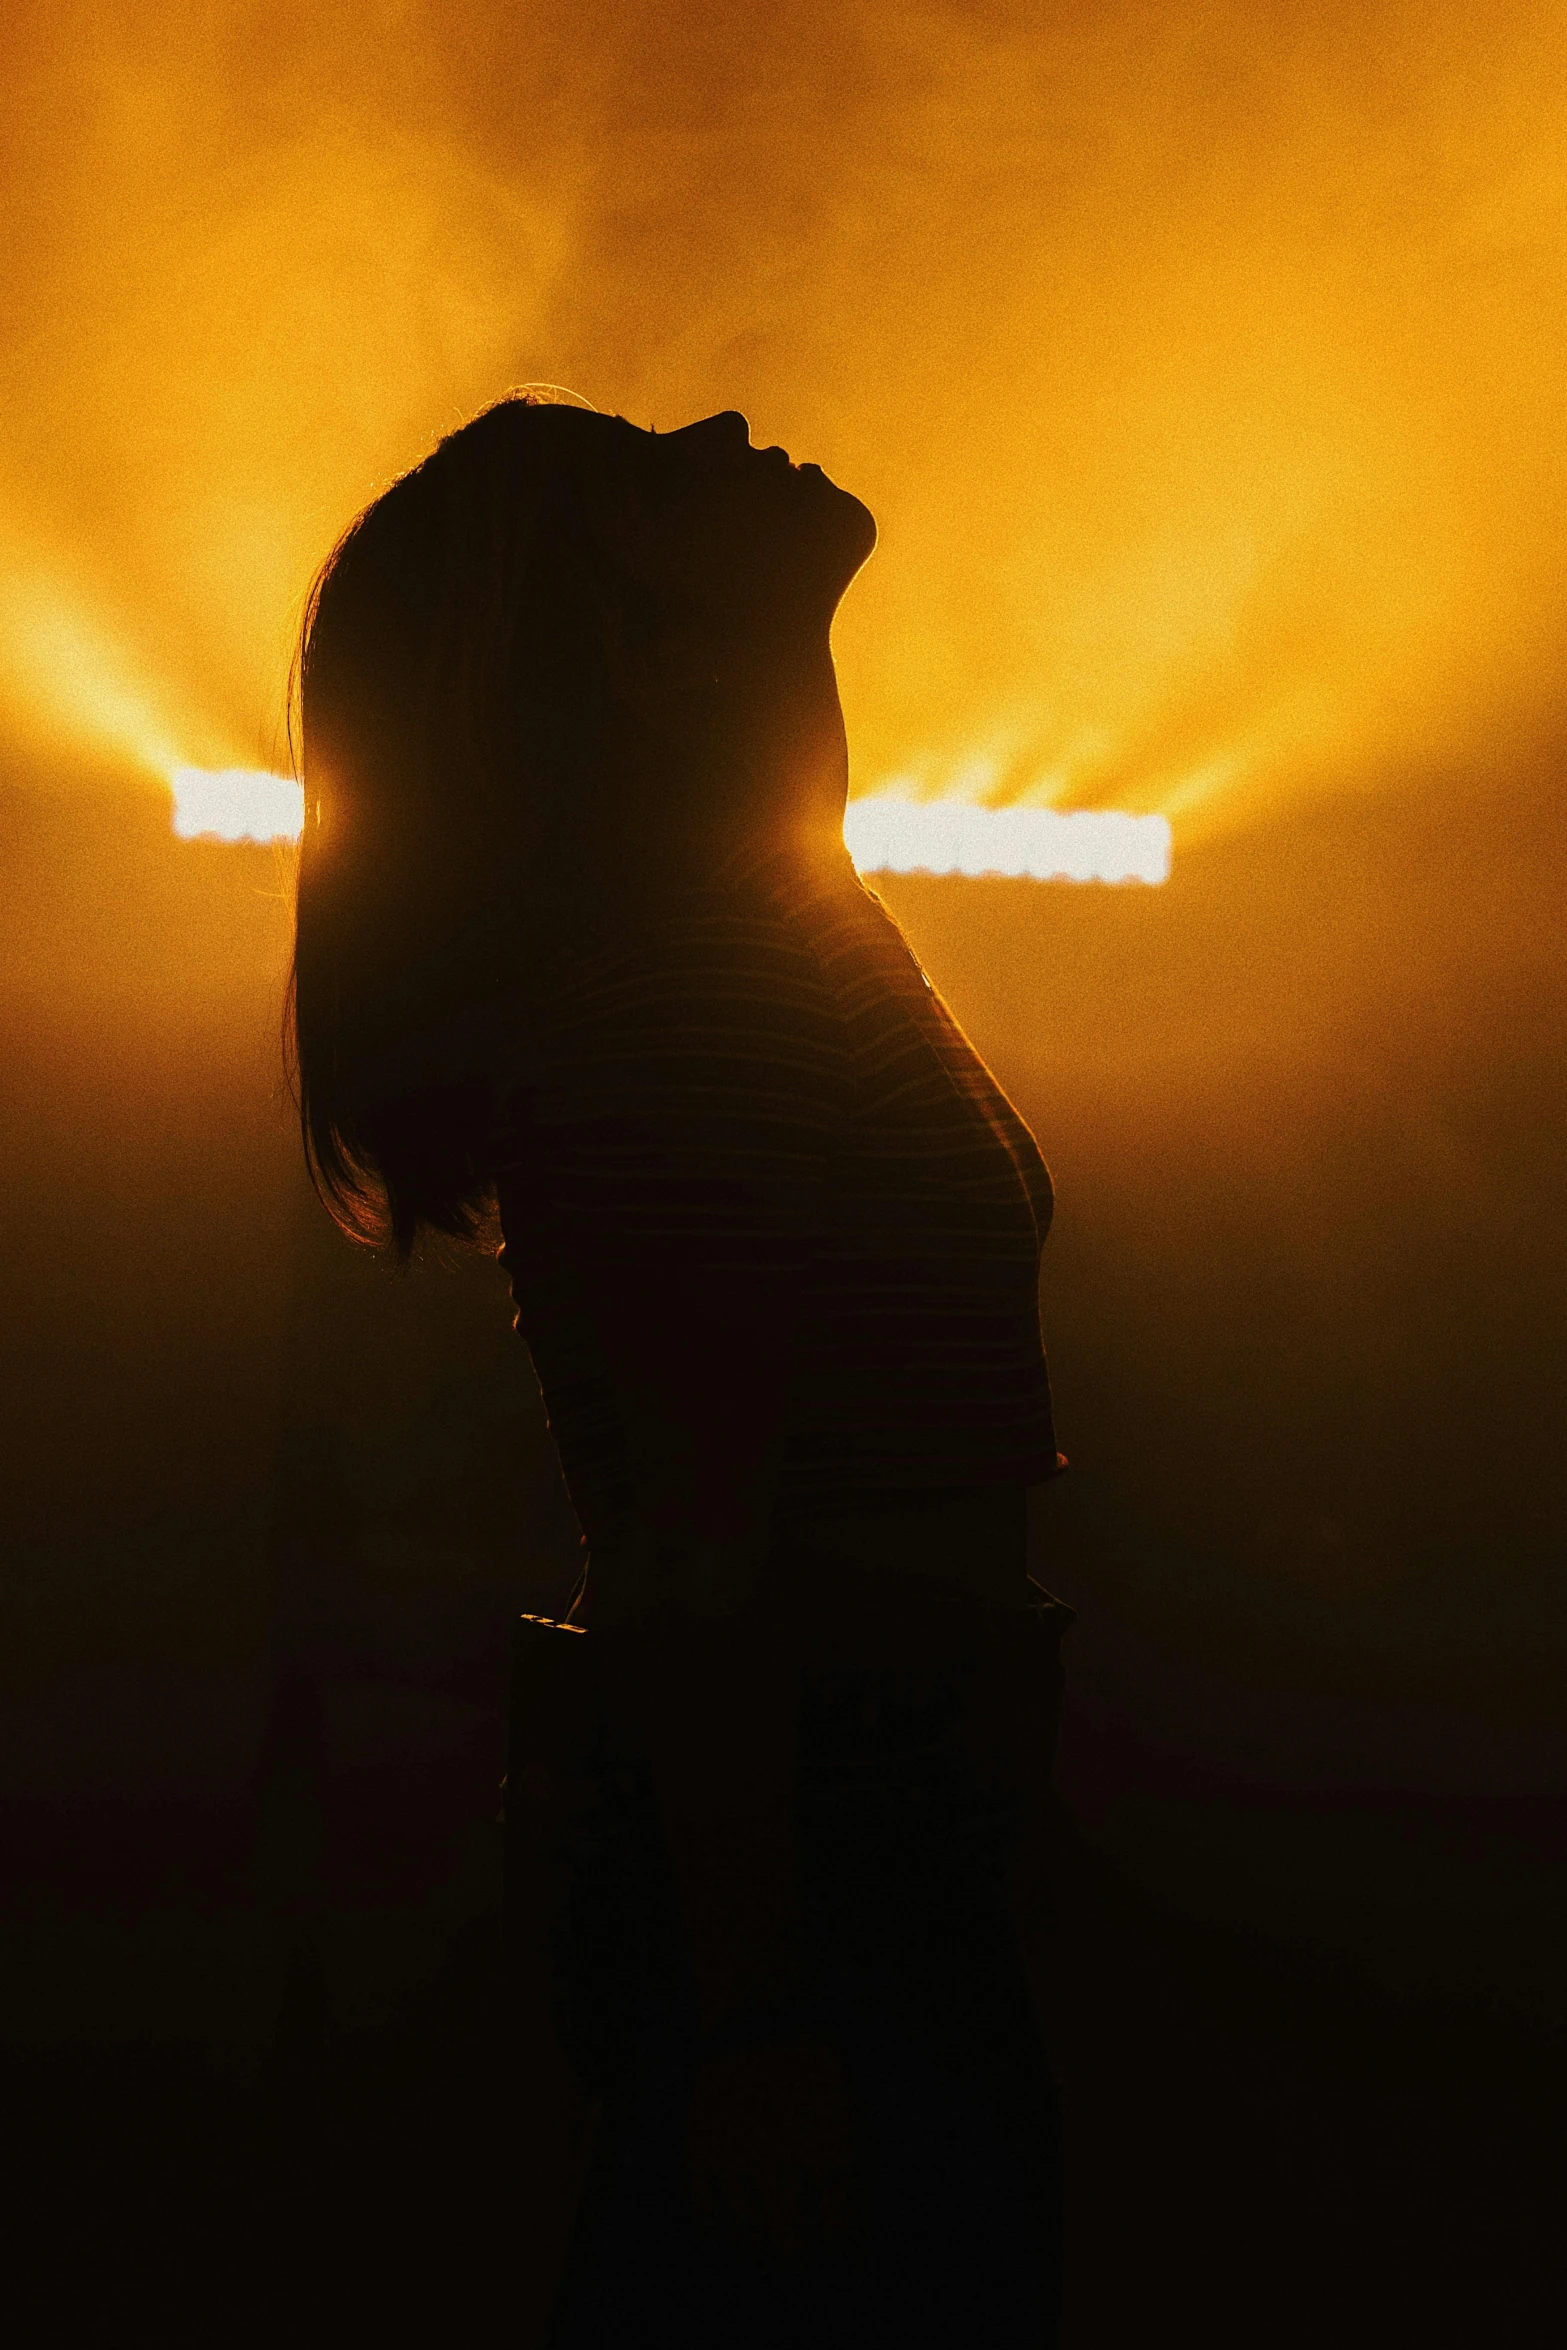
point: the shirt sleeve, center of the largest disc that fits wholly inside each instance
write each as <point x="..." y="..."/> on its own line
<point x="675" y="1139"/>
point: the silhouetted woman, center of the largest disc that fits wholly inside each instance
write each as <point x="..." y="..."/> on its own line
<point x="578" y="936"/>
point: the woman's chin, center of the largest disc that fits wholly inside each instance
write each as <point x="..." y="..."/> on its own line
<point x="848" y="527"/>
<point x="866" y="542"/>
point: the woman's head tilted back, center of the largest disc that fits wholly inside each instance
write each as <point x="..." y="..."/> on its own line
<point x="561" y="664"/>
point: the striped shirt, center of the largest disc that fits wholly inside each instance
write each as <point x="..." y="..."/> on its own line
<point x="757" y="1126"/>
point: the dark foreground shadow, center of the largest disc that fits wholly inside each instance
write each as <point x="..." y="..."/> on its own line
<point x="1259" y="2149"/>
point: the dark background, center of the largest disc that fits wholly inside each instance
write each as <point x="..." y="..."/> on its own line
<point x="269" y="1508"/>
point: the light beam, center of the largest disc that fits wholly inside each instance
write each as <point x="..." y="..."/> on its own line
<point x="236" y="803"/>
<point x="884" y="833"/>
<point x="887" y="833"/>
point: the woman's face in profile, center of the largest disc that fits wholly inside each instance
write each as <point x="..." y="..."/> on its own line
<point x="741" y="537"/>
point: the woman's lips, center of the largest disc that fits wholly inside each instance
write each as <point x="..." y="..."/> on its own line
<point x="780" y="462"/>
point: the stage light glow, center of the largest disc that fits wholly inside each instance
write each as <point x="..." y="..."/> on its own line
<point x="889" y="833"/>
<point x="884" y="832"/>
<point x="236" y="803"/>
<point x="71" y="673"/>
<point x="1231" y="474"/>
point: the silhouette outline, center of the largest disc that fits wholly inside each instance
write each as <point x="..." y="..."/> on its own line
<point x="577" y="941"/>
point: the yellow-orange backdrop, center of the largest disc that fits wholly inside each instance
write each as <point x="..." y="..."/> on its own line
<point x="1203" y="364"/>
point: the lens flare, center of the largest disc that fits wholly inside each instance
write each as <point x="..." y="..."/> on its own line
<point x="1209" y="389"/>
<point x="887" y="833"/>
<point x="884" y="832"/>
<point x="236" y="803"/>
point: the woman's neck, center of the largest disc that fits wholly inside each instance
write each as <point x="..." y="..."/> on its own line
<point x="763" y="756"/>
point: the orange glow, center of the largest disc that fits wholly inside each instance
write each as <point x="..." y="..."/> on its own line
<point x="1206" y="372"/>
<point x="71" y="676"/>
<point x="885" y="833"/>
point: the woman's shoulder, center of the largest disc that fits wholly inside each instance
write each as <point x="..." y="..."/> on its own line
<point x="707" y="988"/>
<point x="728" y="961"/>
<point x="731" y="959"/>
<point x="744" y="923"/>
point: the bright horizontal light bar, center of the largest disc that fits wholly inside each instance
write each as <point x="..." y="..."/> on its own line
<point x="886" y="833"/>
<point x="236" y="803"/>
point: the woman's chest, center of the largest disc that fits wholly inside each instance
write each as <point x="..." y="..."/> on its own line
<point x="931" y="1143"/>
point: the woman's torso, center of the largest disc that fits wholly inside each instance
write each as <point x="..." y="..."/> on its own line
<point x="908" y="1199"/>
<point x="973" y="1540"/>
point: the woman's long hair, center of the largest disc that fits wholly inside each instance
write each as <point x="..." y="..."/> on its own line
<point x="449" y="715"/>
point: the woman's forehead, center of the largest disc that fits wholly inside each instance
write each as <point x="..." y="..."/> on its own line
<point x="562" y="415"/>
